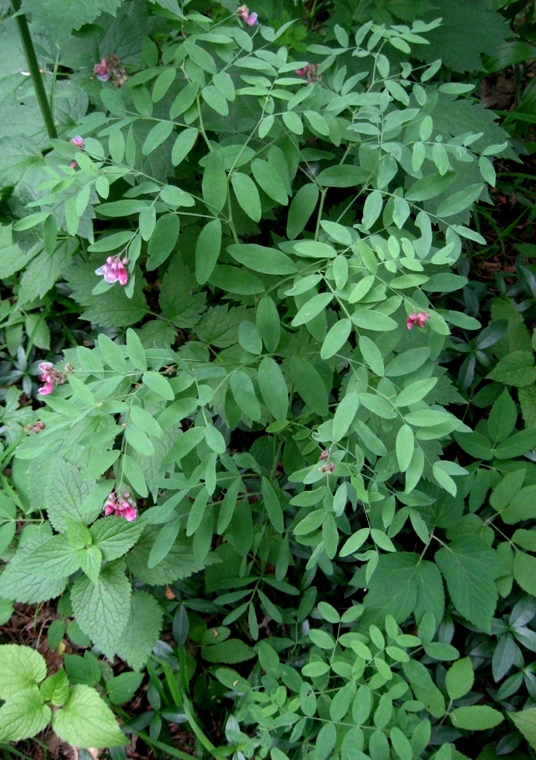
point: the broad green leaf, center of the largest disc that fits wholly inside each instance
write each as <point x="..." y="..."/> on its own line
<point x="268" y="178"/>
<point x="228" y="652"/>
<point x="516" y="368"/>
<point x="430" y="186"/>
<point x="309" y="385"/>
<point x="214" y="182"/>
<point x="163" y="542"/>
<point x="56" y="558"/>
<point x="372" y="208"/>
<point x="355" y="542"/>
<point x="247" y="195"/>
<point x="342" y="176"/>
<point x="301" y="208"/>
<point x="459" y="201"/>
<point x="312" y="308"/>
<point x="159" y="385"/>
<point x="21" y="667"/>
<point x="314" y="250"/>
<point x="476" y="718"/>
<point x="101" y="609"/>
<point x="268" y="323"/>
<point x="112" y="354"/>
<point x="337" y="336"/>
<point x="207" y="250"/>
<point x="215" y="100"/>
<point x="85" y="720"/>
<point x="23" y="715"/>
<point x="244" y="394"/>
<point x="262" y="259"/>
<point x="415" y="392"/>
<point x="344" y="415"/>
<point x="272" y="505"/>
<point x="525" y="721"/>
<point x="521" y="506"/>
<point x="525" y="572"/>
<point x="460" y="678"/>
<point x="373" y="320"/>
<point x="470" y="567"/>
<point x="183" y="144"/>
<point x="273" y="388"/>
<point x="157" y="136"/>
<point x="136" y="351"/>
<point x="114" y="536"/>
<point x="163" y="240"/>
<point x="142" y="630"/>
<point x="184" y="100"/>
<point x="405" y="445"/>
<point x="372" y="355"/>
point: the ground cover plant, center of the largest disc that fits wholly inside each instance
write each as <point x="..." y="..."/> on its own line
<point x="274" y="457"/>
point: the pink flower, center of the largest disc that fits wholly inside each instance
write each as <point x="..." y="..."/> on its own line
<point x="419" y="319"/>
<point x="47" y="377"/>
<point x="310" y="71"/>
<point x="250" y="18"/>
<point x="121" y="506"/>
<point x="101" y="70"/>
<point x="78" y="141"/>
<point x="114" y="270"/>
<point x="324" y="455"/>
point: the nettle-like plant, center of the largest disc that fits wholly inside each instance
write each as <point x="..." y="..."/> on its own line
<point x="77" y="714"/>
<point x="266" y="244"/>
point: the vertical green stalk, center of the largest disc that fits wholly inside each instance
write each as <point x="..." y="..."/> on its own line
<point x="33" y="66"/>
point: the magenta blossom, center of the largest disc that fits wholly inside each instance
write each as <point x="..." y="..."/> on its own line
<point x="114" y="270"/>
<point x="121" y="506"/>
<point x="309" y="71"/>
<point x="51" y="377"/>
<point x="102" y="70"/>
<point x="47" y="377"/>
<point x="419" y="319"/>
<point x="250" y="18"/>
<point x="78" y="141"/>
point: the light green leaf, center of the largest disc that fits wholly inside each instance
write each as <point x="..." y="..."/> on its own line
<point x="470" y="567"/>
<point x="21" y="668"/>
<point x="142" y="630"/>
<point x="207" y="250"/>
<point x="85" y="720"/>
<point x="301" y="208"/>
<point x="273" y="388"/>
<point x="163" y="240"/>
<point x="405" y="445"/>
<point x="460" y="678"/>
<point x="101" y="609"/>
<point x="23" y="715"/>
<point x="458" y="202"/>
<point x="525" y="721"/>
<point x="262" y="259"/>
<point x="476" y="718"/>
<point x="337" y="336"/>
<point x="247" y="195"/>
<point x="244" y="394"/>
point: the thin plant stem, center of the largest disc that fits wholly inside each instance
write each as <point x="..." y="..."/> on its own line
<point x="37" y="79"/>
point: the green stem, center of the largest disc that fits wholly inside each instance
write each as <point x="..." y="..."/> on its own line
<point x="29" y="50"/>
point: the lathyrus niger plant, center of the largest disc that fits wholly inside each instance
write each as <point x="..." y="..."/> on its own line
<point x="263" y="244"/>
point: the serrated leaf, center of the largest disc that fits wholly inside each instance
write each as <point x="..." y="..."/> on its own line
<point x="85" y="720"/>
<point x="142" y="630"/>
<point x="101" y="609"/>
<point x="470" y="567"/>
<point x="23" y="715"/>
<point x="21" y="667"/>
<point x="525" y="721"/>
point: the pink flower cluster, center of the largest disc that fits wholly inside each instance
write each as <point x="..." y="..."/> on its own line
<point x="309" y="71"/>
<point x="121" y="506"/>
<point x="114" y="270"/>
<point x="327" y="466"/>
<point x="78" y="142"/>
<point x="111" y="68"/>
<point x="419" y="319"/>
<point x="250" y="18"/>
<point x="51" y="377"/>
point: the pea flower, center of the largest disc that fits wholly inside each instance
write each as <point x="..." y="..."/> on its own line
<point x="250" y="18"/>
<point x="101" y="70"/>
<point x="114" y="270"/>
<point x="78" y="141"/>
<point x="419" y="319"/>
<point x="310" y="70"/>
<point x="121" y="506"/>
<point x="51" y="377"/>
<point x="111" y="68"/>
